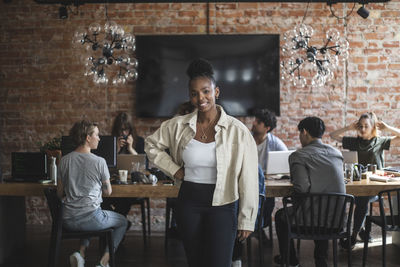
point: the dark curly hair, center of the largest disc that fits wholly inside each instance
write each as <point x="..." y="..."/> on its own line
<point x="314" y="126"/>
<point x="267" y="117"/>
<point x="200" y="68"/>
<point x="80" y="130"/>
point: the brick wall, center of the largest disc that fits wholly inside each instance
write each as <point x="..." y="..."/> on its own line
<point x="43" y="90"/>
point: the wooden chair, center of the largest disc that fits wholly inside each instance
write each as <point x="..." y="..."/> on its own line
<point x="58" y="232"/>
<point x="388" y="220"/>
<point x="325" y="216"/>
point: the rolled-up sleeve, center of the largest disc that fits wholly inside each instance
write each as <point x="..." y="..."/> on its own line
<point x="155" y="148"/>
<point x="248" y="185"/>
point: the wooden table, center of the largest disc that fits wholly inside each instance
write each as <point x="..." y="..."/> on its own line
<point x="280" y="188"/>
<point x="131" y="190"/>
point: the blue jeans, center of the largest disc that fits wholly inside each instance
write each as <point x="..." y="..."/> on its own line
<point x="99" y="220"/>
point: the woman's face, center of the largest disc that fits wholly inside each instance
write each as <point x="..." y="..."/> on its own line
<point x="202" y="93"/>
<point x="93" y="139"/>
<point x="365" y="128"/>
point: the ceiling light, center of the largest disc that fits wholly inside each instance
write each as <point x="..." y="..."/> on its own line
<point x="363" y="12"/>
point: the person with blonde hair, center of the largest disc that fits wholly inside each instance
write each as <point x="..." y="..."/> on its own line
<point x="370" y="146"/>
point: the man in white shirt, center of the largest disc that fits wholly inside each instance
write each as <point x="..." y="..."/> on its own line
<point x="264" y="123"/>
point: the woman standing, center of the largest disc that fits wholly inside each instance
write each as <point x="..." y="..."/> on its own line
<point x="216" y="158"/>
<point x="370" y="147"/>
<point x="82" y="178"/>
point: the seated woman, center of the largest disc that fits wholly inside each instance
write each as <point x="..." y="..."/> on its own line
<point x="82" y="178"/>
<point x="128" y="142"/>
<point x="370" y="147"/>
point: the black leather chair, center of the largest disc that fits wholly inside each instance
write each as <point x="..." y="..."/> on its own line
<point x="59" y="233"/>
<point x="310" y="220"/>
<point x="388" y="220"/>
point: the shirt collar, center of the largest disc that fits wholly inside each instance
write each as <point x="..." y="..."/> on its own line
<point x="191" y="119"/>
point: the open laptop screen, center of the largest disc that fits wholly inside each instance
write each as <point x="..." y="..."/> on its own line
<point x="278" y="162"/>
<point x="28" y="166"/>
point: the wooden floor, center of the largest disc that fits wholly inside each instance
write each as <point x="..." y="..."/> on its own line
<point x="132" y="252"/>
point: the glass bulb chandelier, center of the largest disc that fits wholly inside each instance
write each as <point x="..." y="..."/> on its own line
<point x="306" y="64"/>
<point x="109" y="53"/>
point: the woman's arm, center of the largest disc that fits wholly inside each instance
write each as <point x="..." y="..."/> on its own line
<point x="106" y="187"/>
<point x="129" y="143"/>
<point x="395" y="140"/>
<point x="248" y="186"/>
<point x="338" y="134"/>
<point x="155" y="148"/>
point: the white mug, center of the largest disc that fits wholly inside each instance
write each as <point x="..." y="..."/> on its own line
<point x="153" y="179"/>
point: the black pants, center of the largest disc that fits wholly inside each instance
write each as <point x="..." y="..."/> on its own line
<point x="320" y="249"/>
<point x="208" y="232"/>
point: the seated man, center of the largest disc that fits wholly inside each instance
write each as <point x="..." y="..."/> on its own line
<point x="315" y="168"/>
<point x="264" y="123"/>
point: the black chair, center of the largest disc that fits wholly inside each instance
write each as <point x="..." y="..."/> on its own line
<point x="258" y="231"/>
<point x="324" y="216"/>
<point x="388" y="220"/>
<point x="58" y="232"/>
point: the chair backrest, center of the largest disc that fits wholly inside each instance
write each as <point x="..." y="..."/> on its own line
<point x="55" y="205"/>
<point x="320" y="214"/>
<point x="390" y="216"/>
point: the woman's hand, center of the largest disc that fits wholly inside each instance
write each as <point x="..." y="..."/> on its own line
<point x="129" y="144"/>
<point x="382" y="125"/>
<point x="180" y="174"/>
<point x="121" y="143"/>
<point x="243" y="234"/>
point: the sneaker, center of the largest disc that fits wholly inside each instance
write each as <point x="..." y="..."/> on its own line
<point x="76" y="260"/>
<point x="278" y="261"/>
<point x="237" y="263"/>
<point x="344" y="242"/>
<point x="364" y="235"/>
<point x="101" y="265"/>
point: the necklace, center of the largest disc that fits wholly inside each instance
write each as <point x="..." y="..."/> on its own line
<point x="204" y="137"/>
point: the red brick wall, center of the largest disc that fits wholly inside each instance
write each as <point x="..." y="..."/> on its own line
<point x="43" y="90"/>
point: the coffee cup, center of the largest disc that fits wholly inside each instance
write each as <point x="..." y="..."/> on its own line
<point x="123" y="176"/>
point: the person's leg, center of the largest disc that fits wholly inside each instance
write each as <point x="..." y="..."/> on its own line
<point x="269" y="204"/>
<point x="360" y="212"/>
<point x="220" y="235"/>
<point x="189" y="211"/>
<point x="321" y="253"/>
<point x="282" y="234"/>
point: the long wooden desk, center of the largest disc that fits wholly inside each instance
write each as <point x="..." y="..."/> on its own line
<point x="280" y="188"/>
<point x="137" y="190"/>
<point x="274" y="188"/>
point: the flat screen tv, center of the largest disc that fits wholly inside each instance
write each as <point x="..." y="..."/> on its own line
<point x="106" y="149"/>
<point x="246" y="69"/>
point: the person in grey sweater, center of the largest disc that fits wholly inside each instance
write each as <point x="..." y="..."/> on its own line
<point x="315" y="168"/>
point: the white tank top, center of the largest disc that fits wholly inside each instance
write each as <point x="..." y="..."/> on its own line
<point x="200" y="162"/>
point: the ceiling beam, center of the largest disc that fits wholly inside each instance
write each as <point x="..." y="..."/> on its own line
<point x="81" y="2"/>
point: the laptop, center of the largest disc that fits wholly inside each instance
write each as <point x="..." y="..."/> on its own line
<point x="350" y="156"/>
<point x="278" y="162"/>
<point x="124" y="161"/>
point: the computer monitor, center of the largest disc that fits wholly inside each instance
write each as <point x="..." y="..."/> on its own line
<point x="106" y="149"/>
<point x="278" y="162"/>
<point x="28" y="166"/>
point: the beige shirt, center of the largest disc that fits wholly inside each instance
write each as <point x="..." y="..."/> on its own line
<point x="236" y="153"/>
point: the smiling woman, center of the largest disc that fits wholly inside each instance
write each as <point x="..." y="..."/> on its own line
<point x="215" y="156"/>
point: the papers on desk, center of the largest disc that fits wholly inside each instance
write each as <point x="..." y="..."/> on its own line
<point x="385" y="179"/>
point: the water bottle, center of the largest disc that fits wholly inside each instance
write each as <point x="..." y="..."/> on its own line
<point x="53" y="170"/>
